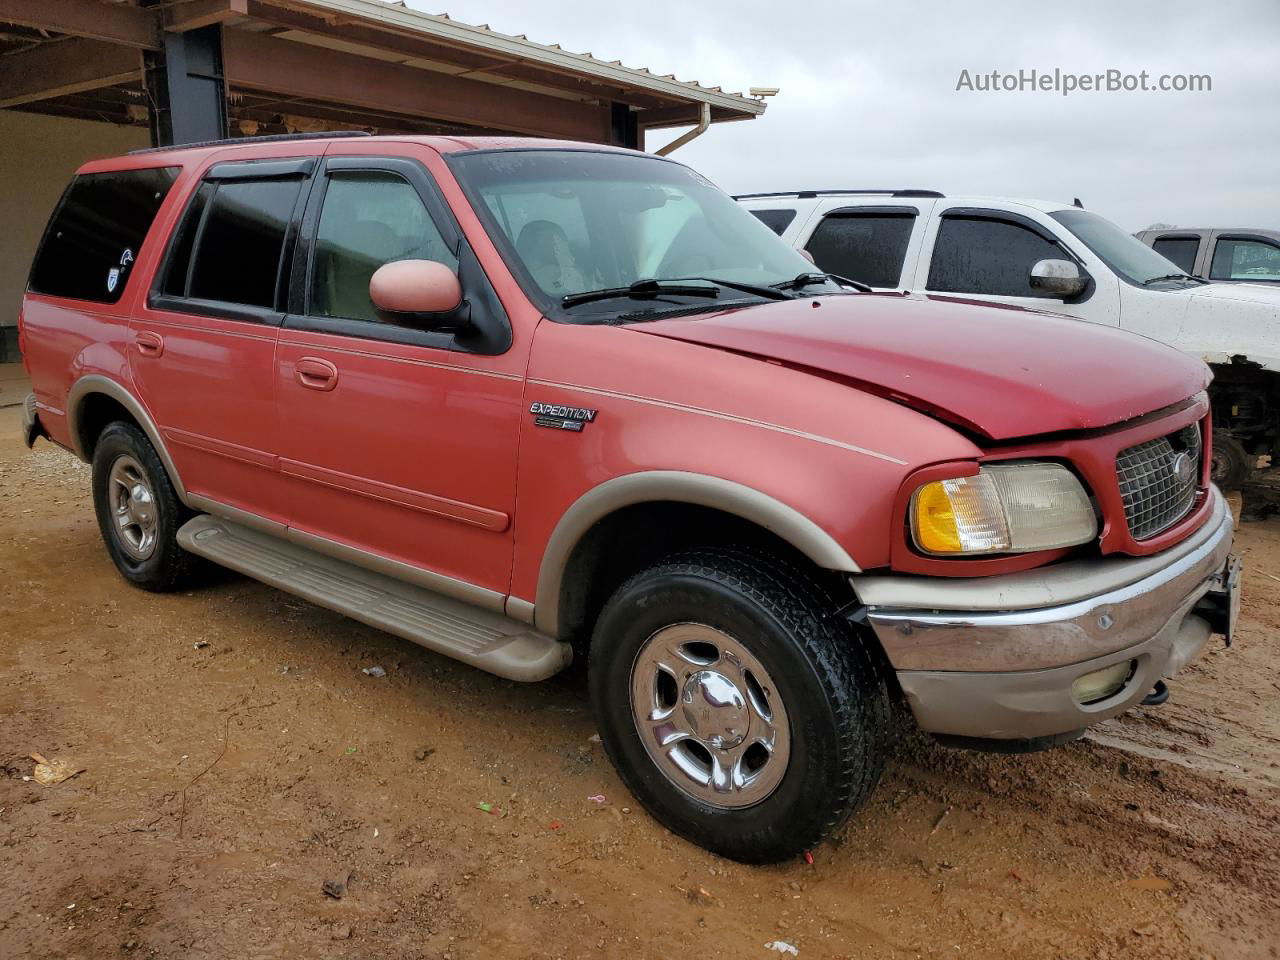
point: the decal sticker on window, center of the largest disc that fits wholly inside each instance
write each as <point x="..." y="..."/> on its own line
<point x="114" y="274"/>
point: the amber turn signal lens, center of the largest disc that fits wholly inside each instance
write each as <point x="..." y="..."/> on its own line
<point x="1005" y="508"/>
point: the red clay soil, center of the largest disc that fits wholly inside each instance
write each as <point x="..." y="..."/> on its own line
<point x="236" y="759"/>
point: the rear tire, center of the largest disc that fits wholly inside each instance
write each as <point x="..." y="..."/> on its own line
<point x="138" y="511"/>
<point x="736" y="706"/>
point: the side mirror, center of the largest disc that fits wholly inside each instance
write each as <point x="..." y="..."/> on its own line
<point x="1059" y="279"/>
<point x="415" y="289"/>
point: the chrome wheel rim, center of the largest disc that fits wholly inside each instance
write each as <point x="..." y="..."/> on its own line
<point x="709" y="716"/>
<point x="133" y="507"/>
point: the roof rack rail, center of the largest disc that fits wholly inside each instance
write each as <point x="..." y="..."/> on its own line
<point x="810" y="194"/>
<point x="271" y="138"/>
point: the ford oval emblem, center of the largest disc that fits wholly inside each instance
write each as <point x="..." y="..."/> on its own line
<point x="1184" y="468"/>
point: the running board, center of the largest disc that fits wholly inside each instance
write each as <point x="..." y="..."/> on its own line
<point x="447" y="626"/>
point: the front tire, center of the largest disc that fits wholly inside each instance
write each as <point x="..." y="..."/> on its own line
<point x="138" y="511"/>
<point x="1231" y="464"/>
<point x="736" y="706"/>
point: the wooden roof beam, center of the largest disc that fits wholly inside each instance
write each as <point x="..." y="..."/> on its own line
<point x="193" y="14"/>
<point x="259" y="62"/>
<point x="60" y="67"/>
<point x="113" y="22"/>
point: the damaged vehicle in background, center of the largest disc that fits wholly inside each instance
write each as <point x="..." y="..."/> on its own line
<point x="1061" y="258"/>
<point x="520" y="401"/>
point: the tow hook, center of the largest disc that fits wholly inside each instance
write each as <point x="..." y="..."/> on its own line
<point x="1158" y="695"/>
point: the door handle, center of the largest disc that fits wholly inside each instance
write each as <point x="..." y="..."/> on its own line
<point x="315" y="374"/>
<point x="149" y="344"/>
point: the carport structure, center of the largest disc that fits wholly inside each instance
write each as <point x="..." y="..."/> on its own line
<point x="85" y="78"/>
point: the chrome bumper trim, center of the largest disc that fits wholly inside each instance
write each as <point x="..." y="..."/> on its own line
<point x="1029" y="704"/>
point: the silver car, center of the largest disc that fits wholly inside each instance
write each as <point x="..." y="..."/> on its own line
<point x="1239" y="255"/>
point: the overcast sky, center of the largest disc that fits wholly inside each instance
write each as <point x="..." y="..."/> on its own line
<point x="869" y="95"/>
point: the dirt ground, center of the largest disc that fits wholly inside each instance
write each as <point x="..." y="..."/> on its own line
<point x="236" y="758"/>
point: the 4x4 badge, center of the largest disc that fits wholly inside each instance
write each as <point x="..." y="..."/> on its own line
<point x="559" y="417"/>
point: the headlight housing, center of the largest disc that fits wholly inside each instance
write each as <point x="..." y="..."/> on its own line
<point x="1006" y="508"/>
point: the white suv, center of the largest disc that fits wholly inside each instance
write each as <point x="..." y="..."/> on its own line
<point x="1057" y="257"/>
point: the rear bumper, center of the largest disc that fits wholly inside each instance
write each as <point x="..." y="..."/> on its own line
<point x="995" y="658"/>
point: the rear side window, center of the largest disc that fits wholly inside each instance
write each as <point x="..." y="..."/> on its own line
<point x="95" y="236"/>
<point x="179" y="272"/>
<point x="234" y="254"/>
<point x="775" y="220"/>
<point x="1181" y="251"/>
<point x="994" y="257"/>
<point x="1240" y="259"/>
<point x="866" y="247"/>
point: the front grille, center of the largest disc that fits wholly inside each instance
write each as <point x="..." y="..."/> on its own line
<point x="1158" y="481"/>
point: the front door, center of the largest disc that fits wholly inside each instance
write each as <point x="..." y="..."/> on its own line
<point x="398" y="442"/>
<point x="987" y="254"/>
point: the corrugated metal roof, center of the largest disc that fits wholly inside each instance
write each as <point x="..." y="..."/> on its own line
<point x="443" y="28"/>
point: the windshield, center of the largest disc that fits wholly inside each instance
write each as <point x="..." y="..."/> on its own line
<point x="579" y="220"/>
<point x="1122" y="252"/>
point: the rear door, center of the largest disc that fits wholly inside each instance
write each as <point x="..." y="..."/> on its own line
<point x="204" y="341"/>
<point x="397" y="443"/>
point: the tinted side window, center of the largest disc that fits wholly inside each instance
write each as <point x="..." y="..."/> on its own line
<point x="368" y="219"/>
<point x="870" y="248"/>
<point x="1180" y="250"/>
<point x="974" y="255"/>
<point x="241" y="241"/>
<point x="1245" y="260"/>
<point x="775" y="220"/>
<point x="96" y="233"/>
<point x="178" y="271"/>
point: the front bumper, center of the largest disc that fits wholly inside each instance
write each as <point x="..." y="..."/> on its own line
<point x="995" y="658"/>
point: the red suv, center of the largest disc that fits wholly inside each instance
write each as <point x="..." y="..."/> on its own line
<point x="521" y="400"/>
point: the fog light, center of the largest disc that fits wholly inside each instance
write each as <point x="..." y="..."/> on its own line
<point x="1101" y="684"/>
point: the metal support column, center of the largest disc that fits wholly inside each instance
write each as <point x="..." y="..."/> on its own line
<point x="624" y="131"/>
<point x="184" y="82"/>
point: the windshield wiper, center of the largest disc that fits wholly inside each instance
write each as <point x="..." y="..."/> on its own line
<point x="674" y="286"/>
<point x="772" y="293"/>
<point x="1173" y="276"/>
<point x="641" y="288"/>
<point x="805" y="279"/>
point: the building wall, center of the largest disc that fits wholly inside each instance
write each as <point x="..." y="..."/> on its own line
<point x="38" y="155"/>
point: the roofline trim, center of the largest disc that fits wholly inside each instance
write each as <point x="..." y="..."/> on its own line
<point x="811" y="194"/>
<point x="416" y="21"/>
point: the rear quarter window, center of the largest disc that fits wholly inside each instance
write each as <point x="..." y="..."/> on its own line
<point x="1180" y="250"/>
<point x="776" y="220"/>
<point x="96" y="233"/>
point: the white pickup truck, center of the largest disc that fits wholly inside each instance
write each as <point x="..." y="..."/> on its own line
<point x="1060" y="258"/>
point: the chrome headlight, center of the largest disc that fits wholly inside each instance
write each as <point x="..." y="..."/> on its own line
<point x="1006" y="508"/>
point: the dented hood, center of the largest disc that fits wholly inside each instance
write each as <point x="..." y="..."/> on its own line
<point x="1001" y="372"/>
